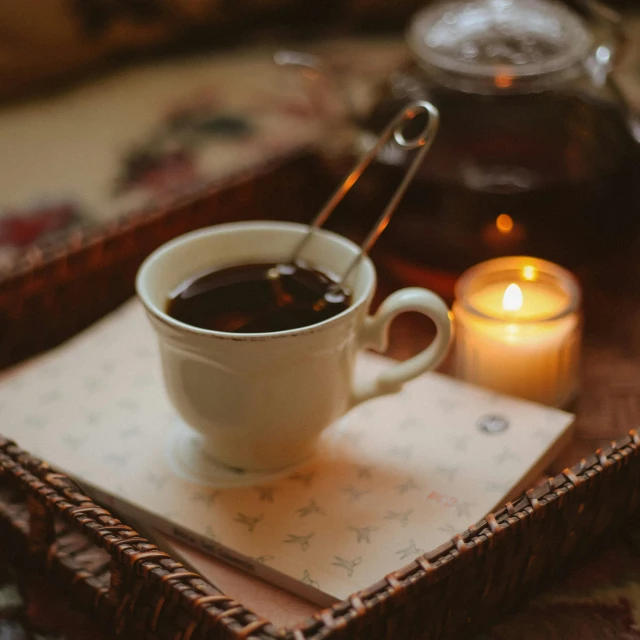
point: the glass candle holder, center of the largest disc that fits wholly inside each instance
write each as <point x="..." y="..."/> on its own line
<point x="518" y="329"/>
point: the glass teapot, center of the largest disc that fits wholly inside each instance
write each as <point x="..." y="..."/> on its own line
<point x="537" y="151"/>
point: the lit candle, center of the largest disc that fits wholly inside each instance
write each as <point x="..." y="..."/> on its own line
<point x="518" y="329"/>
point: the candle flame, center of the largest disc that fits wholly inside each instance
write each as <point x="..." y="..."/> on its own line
<point x="512" y="299"/>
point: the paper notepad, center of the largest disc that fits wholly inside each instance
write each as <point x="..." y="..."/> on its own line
<point x="395" y="478"/>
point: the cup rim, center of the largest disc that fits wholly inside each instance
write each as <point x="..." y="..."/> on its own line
<point x="162" y="316"/>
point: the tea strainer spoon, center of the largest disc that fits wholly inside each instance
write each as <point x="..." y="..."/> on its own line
<point x="394" y="133"/>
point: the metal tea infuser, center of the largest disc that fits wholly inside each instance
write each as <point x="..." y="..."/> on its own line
<point x="394" y="132"/>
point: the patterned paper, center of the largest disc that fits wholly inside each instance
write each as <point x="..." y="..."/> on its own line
<point x="396" y="477"/>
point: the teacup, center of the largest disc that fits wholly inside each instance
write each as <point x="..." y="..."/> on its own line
<point x="261" y="401"/>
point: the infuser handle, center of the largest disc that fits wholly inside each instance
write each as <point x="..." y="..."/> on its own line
<point x="395" y="132"/>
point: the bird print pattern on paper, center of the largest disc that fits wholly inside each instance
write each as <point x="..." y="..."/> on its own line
<point x="365" y="473"/>
<point x="249" y="521"/>
<point x="206" y="498"/>
<point x="410" y="551"/>
<point x="264" y="558"/>
<point x="407" y="486"/>
<point x="348" y="565"/>
<point x="363" y="534"/>
<point x="307" y="579"/>
<point x="157" y="480"/>
<point x="353" y="493"/>
<point x="399" y="516"/>
<point x="310" y="508"/>
<point x="266" y="494"/>
<point x="302" y="541"/>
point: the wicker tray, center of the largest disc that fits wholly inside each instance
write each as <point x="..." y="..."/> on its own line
<point x="457" y="588"/>
<point x="130" y="583"/>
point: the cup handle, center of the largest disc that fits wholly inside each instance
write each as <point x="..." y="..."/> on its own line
<point x="375" y="334"/>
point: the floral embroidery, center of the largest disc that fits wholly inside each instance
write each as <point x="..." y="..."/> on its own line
<point x="22" y="228"/>
<point x="166" y="159"/>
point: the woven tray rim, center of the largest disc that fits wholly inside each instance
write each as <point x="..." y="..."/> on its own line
<point x="70" y="501"/>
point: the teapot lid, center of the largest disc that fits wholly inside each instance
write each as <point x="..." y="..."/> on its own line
<point x="499" y="45"/>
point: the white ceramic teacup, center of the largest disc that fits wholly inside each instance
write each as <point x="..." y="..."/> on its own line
<point x="262" y="400"/>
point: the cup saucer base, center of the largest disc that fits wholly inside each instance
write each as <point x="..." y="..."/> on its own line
<point x="189" y="460"/>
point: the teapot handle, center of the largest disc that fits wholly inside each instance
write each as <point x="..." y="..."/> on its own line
<point x="607" y="55"/>
<point x="611" y="20"/>
<point x="611" y="47"/>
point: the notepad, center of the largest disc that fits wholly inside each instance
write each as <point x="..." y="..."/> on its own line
<point x="391" y="480"/>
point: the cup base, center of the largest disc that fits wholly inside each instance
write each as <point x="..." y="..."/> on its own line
<point x="191" y="459"/>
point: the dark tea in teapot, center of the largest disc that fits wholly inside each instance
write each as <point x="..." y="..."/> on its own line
<point x="536" y="153"/>
<point x="547" y="175"/>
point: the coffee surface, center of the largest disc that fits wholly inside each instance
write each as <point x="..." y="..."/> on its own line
<point x="254" y="298"/>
